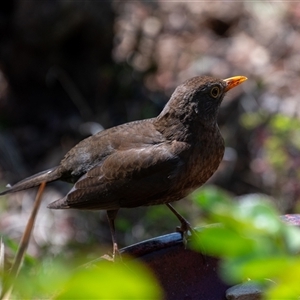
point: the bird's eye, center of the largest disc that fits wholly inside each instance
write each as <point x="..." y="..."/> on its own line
<point x="215" y="92"/>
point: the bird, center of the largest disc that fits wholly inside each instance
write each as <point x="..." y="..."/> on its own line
<point x="146" y="162"/>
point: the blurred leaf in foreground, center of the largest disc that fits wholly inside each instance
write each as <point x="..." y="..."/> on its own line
<point x="112" y="281"/>
<point x="251" y="240"/>
<point x="107" y="280"/>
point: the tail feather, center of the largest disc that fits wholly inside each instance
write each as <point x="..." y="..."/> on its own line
<point x="59" y="204"/>
<point x="34" y="180"/>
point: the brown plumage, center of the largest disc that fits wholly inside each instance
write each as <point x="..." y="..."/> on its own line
<point x="147" y="162"/>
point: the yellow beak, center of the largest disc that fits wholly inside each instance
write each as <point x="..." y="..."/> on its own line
<point x="234" y="81"/>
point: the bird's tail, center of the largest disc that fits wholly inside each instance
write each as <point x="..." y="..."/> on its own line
<point x="34" y="180"/>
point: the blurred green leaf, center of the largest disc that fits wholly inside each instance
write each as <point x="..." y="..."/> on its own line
<point x="45" y="279"/>
<point x="288" y="287"/>
<point x="209" y="240"/>
<point x="251" y="240"/>
<point x="107" y="280"/>
<point x="255" y="268"/>
<point x="208" y="197"/>
<point x="112" y="281"/>
<point x="252" y="213"/>
<point x="292" y="239"/>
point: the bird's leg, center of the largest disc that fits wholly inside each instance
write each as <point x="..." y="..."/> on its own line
<point x="111" y="215"/>
<point x="185" y="225"/>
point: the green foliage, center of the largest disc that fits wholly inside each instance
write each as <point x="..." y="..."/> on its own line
<point x="252" y="242"/>
<point x="112" y="281"/>
<point x="282" y="136"/>
<point x="42" y="280"/>
<point x="275" y="151"/>
<point x="283" y="140"/>
<point x="61" y="280"/>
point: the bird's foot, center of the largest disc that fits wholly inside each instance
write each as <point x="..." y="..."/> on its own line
<point x="108" y="257"/>
<point x="185" y="227"/>
<point x="186" y="231"/>
<point x="116" y="255"/>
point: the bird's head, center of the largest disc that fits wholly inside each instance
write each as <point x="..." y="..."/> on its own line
<point x="199" y="98"/>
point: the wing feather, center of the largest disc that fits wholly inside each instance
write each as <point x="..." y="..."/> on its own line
<point x="129" y="178"/>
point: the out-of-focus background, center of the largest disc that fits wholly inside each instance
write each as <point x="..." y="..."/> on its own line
<point x="71" y="68"/>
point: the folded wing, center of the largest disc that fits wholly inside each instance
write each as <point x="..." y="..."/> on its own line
<point x="129" y="178"/>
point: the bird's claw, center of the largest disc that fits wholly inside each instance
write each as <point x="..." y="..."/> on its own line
<point x="186" y="231"/>
<point x="108" y="257"/>
<point x="116" y="255"/>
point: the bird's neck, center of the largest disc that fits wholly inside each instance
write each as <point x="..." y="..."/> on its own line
<point x="183" y="123"/>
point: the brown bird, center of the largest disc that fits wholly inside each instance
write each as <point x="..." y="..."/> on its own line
<point x="147" y="162"/>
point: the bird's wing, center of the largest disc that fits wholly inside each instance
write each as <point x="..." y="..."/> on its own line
<point x="93" y="150"/>
<point x="130" y="178"/>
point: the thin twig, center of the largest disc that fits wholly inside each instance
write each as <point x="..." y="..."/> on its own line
<point x="23" y="243"/>
<point x="1" y="264"/>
